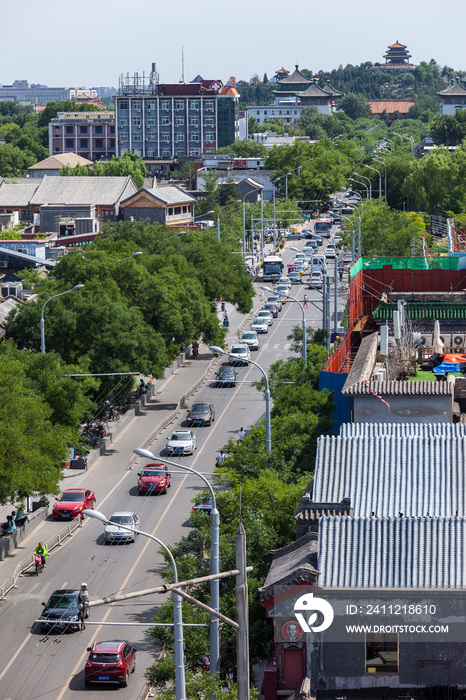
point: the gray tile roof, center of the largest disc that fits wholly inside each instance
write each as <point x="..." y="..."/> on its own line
<point x="392" y="553"/>
<point x="6" y="306"/>
<point x="17" y="195"/>
<point x="392" y="474"/>
<point x="83" y="190"/>
<point x="399" y="388"/>
<point x="370" y="430"/>
<point x="171" y="195"/>
<point x="296" y="563"/>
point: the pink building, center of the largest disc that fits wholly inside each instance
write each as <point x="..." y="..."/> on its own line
<point x="88" y="134"/>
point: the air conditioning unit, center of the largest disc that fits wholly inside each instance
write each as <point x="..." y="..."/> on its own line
<point x="458" y="341"/>
<point x="3" y="263"/>
<point x="379" y="376"/>
<point x="426" y="340"/>
<point x="446" y="340"/>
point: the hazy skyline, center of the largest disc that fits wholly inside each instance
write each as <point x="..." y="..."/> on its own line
<point x="91" y="43"/>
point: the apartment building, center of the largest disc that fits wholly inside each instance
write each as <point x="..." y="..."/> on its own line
<point x="88" y="134"/>
<point x="166" y="121"/>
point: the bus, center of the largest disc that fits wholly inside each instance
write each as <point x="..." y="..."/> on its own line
<point x="272" y="268"/>
<point x="323" y="227"/>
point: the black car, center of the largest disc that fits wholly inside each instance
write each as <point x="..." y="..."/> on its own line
<point x="201" y="414"/>
<point x="62" y="611"/>
<point x="226" y="376"/>
<point x="307" y="233"/>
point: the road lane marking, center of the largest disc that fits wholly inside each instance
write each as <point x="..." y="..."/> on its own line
<point x="15" y="656"/>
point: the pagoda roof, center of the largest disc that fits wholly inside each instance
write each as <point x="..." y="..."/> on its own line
<point x="296" y="78"/>
<point x="314" y="91"/>
<point x="456" y="88"/>
<point x="397" y="45"/>
<point x="331" y="90"/>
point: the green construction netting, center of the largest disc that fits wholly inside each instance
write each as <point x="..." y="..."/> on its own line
<point x="441" y="263"/>
<point x="422" y="310"/>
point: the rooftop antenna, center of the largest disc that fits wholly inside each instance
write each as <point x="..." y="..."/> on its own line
<point x="182" y="65"/>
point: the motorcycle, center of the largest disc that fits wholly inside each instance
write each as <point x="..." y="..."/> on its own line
<point x="195" y="350"/>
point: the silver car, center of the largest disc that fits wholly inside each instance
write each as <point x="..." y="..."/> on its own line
<point x="181" y="442"/>
<point x="115" y="533"/>
<point x="250" y="339"/>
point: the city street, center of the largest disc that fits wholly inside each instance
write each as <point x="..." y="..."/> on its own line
<point x="50" y="666"/>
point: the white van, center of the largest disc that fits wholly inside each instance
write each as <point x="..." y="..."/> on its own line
<point x="318" y="262"/>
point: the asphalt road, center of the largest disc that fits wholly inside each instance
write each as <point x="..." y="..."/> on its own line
<point x="35" y="666"/>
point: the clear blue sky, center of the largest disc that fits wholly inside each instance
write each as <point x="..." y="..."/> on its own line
<point x="91" y="42"/>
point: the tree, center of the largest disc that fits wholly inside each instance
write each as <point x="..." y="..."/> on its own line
<point x="246" y="148"/>
<point x="13" y="162"/>
<point x="31" y="445"/>
<point x="425" y="109"/>
<point x="122" y="166"/>
<point x="355" y="106"/>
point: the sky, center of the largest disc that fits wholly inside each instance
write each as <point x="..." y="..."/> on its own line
<point x="91" y="43"/>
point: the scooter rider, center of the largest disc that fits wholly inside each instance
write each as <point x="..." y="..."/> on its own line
<point x="41" y="550"/>
<point x="195" y="348"/>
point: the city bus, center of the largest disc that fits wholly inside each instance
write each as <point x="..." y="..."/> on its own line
<point x="272" y="268"/>
<point x="323" y="227"/>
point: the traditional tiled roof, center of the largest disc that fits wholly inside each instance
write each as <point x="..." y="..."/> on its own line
<point x="17" y="195"/>
<point x="392" y="553"/>
<point x="314" y="91"/>
<point x="398" y="388"/>
<point x="391" y="106"/>
<point x="291" y="565"/>
<point x="59" y="161"/>
<point x="331" y="90"/>
<point x="83" y="190"/>
<point x="295" y="78"/>
<point x="455" y="89"/>
<point x="423" y="310"/>
<point x="171" y="195"/>
<point x="400" y="430"/>
<point x="388" y="475"/>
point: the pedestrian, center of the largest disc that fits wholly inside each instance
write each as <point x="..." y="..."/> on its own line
<point x="21" y="517"/>
<point x="241" y="434"/>
<point x="221" y="457"/>
<point x="305" y="301"/>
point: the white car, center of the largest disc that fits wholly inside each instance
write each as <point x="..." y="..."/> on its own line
<point x="260" y="325"/>
<point x="239" y="355"/>
<point x="114" y="533"/>
<point x="296" y="277"/>
<point x="275" y="299"/>
<point x="337" y="239"/>
<point x="181" y="442"/>
<point x="282" y="291"/>
<point x="251" y="339"/>
<point x="330" y="252"/>
<point x="316" y="280"/>
<point x="284" y="280"/>
<point x="266" y="315"/>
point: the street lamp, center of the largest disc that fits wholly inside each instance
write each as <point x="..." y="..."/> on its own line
<point x="244" y="221"/>
<point x="380" y="178"/>
<point x="268" y="435"/>
<point x="177" y="610"/>
<point x="364" y="177"/>
<point x="134" y="255"/>
<point x="237" y="201"/>
<point x="201" y="216"/>
<point x="352" y="237"/>
<point x="42" y="328"/>
<point x="288" y="296"/>
<point x="214" y="557"/>
<point x="363" y="184"/>
<point x="379" y="160"/>
<point x="353" y="206"/>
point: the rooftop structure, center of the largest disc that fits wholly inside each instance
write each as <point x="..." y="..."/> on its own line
<point x="453" y="98"/>
<point x="396" y="58"/>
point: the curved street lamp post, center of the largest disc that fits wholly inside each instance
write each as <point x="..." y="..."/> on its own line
<point x="237" y="201"/>
<point x="214" y="556"/>
<point x="177" y="609"/>
<point x="268" y="434"/>
<point x="42" y="325"/>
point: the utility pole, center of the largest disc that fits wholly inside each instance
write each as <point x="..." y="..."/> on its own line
<point x="242" y="616"/>
<point x="262" y="224"/>
<point x="324" y="306"/>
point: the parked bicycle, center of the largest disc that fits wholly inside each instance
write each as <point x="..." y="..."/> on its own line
<point x="112" y="413"/>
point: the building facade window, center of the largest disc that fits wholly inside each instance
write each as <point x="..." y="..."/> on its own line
<point x="137" y="121"/>
<point x="179" y="121"/>
<point x="164" y="104"/>
<point x="194" y="105"/>
<point x="165" y="138"/>
<point x="123" y="121"/>
<point x="69" y="129"/>
<point x="150" y="121"/>
<point x="165" y="121"/>
<point x="136" y="105"/>
<point x="69" y="143"/>
<point x="179" y="104"/>
<point x="209" y="136"/>
<point x="151" y="153"/>
<point x="123" y="104"/>
<point x="150" y="105"/>
<point x="193" y="121"/>
<point x="99" y="143"/>
<point x="194" y="152"/>
<point x="112" y="143"/>
<point x="194" y="138"/>
<point x="179" y="137"/>
<point x="98" y="129"/>
<point x="208" y="121"/>
<point x="83" y="143"/>
<point x="382" y="646"/>
<point x="83" y="129"/>
<point x="180" y="152"/>
<point x="209" y="105"/>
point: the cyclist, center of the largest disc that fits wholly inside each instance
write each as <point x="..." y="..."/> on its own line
<point x="40" y="549"/>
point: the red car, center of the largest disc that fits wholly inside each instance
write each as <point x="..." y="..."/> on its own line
<point x="110" y="662"/>
<point x="154" y="478"/>
<point x="72" y="502"/>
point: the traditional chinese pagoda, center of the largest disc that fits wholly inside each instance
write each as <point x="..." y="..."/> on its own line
<point x="293" y="84"/>
<point x="396" y="58"/>
<point x="453" y="98"/>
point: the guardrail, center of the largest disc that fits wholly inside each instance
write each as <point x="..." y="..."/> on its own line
<point x="25" y="564"/>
